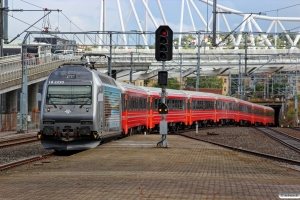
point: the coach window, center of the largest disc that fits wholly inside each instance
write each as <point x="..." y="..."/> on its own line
<point x="248" y="109"/>
<point x="206" y="105"/>
<point x="145" y="103"/>
<point x="124" y="103"/>
<point x="198" y="105"/>
<point x="181" y="105"/>
<point x="135" y="103"/>
<point x="132" y="103"/>
<point x="139" y="103"/>
<point x="176" y="104"/>
<point x="156" y="103"/>
<point x="129" y="102"/>
<point x="218" y="105"/>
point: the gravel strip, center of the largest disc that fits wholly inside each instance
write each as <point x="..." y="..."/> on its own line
<point x="20" y="152"/>
<point x="246" y="138"/>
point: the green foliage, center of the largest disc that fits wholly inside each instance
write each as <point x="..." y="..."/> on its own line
<point x="259" y="87"/>
<point x="146" y="82"/>
<point x="206" y="82"/>
<point x="291" y="112"/>
<point x="289" y="119"/>
<point x="172" y="84"/>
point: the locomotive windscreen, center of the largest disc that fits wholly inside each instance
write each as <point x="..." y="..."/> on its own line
<point x="69" y="94"/>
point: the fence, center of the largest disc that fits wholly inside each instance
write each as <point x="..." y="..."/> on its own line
<point x="10" y="122"/>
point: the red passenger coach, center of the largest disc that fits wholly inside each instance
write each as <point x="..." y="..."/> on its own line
<point x="135" y="104"/>
<point x="176" y="101"/>
<point x="245" y="116"/>
<point x="201" y="108"/>
<point x="269" y="116"/>
<point x="226" y="110"/>
<point x="186" y="109"/>
<point x="258" y="115"/>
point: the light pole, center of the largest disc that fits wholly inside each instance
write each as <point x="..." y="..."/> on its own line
<point x="136" y="31"/>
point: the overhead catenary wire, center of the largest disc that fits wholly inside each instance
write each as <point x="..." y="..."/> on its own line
<point x="32" y="4"/>
<point x="283" y="8"/>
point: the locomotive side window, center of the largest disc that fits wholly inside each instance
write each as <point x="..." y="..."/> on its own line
<point x="69" y="94"/>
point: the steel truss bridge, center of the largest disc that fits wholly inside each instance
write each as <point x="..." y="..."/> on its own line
<point x="193" y="60"/>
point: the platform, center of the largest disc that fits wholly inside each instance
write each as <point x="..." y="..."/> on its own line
<point x="134" y="168"/>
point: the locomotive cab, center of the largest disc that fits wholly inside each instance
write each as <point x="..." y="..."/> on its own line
<point x="76" y="110"/>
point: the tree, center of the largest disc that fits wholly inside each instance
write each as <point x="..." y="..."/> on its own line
<point x="206" y="82"/>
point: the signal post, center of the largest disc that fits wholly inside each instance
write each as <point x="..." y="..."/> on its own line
<point x="163" y="52"/>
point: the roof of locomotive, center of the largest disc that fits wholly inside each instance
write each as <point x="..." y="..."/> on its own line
<point x="78" y="72"/>
<point x="71" y="73"/>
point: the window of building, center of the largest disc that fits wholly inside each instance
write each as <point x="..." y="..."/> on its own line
<point x="225" y="80"/>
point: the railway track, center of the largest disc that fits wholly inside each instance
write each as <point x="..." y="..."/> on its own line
<point x="17" y="141"/>
<point x="296" y="128"/>
<point x="25" y="161"/>
<point x="243" y="150"/>
<point x="283" y="138"/>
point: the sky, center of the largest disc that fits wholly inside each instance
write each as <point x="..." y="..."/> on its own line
<point x="79" y="15"/>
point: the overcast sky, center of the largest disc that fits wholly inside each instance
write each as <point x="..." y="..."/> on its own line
<point x="84" y="15"/>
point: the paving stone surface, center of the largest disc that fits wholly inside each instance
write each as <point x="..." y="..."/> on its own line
<point x="134" y="168"/>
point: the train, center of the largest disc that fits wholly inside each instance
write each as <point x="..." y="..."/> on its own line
<point x="82" y="107"/>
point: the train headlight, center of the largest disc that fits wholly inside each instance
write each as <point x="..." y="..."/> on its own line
<point x="39" y="135"/>
<point x="87" y="109"/>
<point x="48" y="109"/>
<point x="95" y="135"/>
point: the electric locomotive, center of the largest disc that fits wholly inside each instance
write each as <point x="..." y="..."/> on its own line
<point x="80" y="107"/>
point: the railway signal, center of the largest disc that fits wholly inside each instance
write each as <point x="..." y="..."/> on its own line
<point x="163" y="78"/>
<point x="162" y="108"/>
<point x="163" y="43"/>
